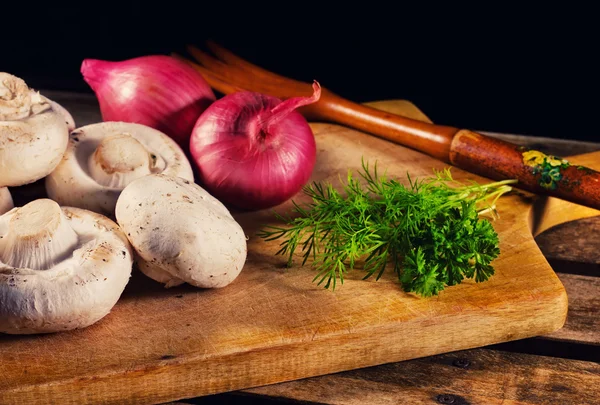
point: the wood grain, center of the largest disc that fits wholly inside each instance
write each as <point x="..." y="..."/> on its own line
<point x="568" y="244"/>
<point x="572" y="242"/>
<point x="273" y="325"/>
<point x="582" y="326"/>
<point x="473" y="377"/>
<point x="583" y="323"/>
<point x="498" y="159"/>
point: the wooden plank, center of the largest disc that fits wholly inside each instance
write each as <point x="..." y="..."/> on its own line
<point x="583" y="322"/>
<point x="269" y="325"/>
<point x="582" y="326"/>
<point x="568" y="243"/>
<point x="572" y="242"/>
<point x="471" y="377"/>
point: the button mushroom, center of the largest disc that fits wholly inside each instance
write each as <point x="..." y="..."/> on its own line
<point x="33" y="135"/>
<point x="60" y="268"/>
<point x="6" y="202"/>
<point x="64" y="112"/>
<point x="181" y="233"/>
<point x="103" y="158"/>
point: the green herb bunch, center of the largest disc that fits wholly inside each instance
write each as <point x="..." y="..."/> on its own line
<point x="431" y="233"/>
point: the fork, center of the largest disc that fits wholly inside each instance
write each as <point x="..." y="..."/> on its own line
<point x="496" y="159"/>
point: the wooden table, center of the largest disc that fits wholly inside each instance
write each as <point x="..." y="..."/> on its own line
<point x="561" y="368"/>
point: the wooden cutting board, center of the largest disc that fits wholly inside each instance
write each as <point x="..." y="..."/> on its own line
<point x="273" y="325"/>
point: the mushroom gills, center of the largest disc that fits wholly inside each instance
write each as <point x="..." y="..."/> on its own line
<point x="61" y="268"/>
<point x="38" y="237"/>
<point x="103" y="158"/>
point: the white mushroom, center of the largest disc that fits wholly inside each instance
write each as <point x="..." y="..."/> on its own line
<point x="33" y="135"/>
<point x="64" y="112"/>
<point x="181" y="233"/>
<point x="60" y="268"/>
<point x="103" y="158"/>
<point x="6" y="202"/>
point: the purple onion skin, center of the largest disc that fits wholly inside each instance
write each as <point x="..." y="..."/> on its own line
<point x="246" y="162"/>
<point x="158" y="91"/>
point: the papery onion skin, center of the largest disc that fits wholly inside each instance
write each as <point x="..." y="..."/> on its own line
<point x="158" y="91"/>
<point x="247" y="165"/>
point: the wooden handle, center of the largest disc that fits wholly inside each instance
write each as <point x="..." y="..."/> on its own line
<point x="540" y="174"/>
<point x="468" y="150"/>
<point x="428" y="138"/>
<point x="535" y="171"/>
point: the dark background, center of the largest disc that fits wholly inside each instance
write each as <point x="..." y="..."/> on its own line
<point x="528" y="70"/>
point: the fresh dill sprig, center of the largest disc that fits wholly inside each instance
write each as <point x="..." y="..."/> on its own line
<point x="430" y="232"/>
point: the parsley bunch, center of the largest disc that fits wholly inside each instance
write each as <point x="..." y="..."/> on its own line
<point x="430" y="233"/>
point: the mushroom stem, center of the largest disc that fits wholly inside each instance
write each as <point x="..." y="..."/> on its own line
<point x="38" y="237"/>
<point x="158" y="274"/>
<point x="118" y="160"/>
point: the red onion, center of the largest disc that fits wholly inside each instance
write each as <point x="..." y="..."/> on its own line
<point x="253" y="151"/>
<point x="158" y="91"/>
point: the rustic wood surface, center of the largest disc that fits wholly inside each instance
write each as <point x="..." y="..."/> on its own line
<point x="583" y="323"/>
<point x="458" y="389"/>
<point x="470" y="377"/>
<point x="571" y="250"/>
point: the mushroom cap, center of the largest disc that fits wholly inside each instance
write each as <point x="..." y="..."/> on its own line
<point x="82" y="265"/>
<point x="6" y="201"/>
<point x="181" y="233"/>
<point x="33" y="135"/>
<point x="65" y="114"/>
<point x="102" y="158"/>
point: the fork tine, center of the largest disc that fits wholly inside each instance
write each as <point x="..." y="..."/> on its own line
<point x="205" y="59"/>
<point x="221" y="68"/>
<point x="232" y="59"/>
<point x="243" y="79"/>
<point x="219" y="83"/>
<point x="224" y="85"/>
<point x="225" y="72"/>
<point x="246" y="78"/>
<point x="256" y="78"/>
